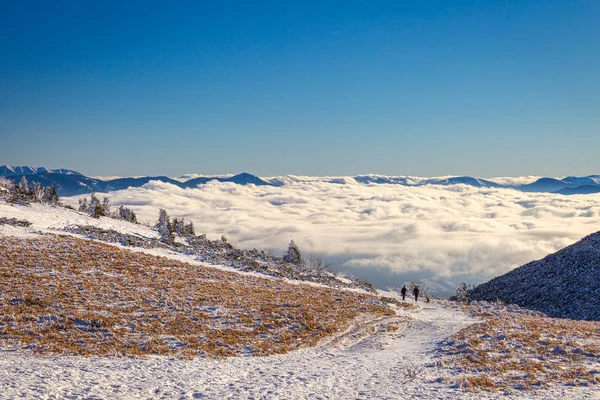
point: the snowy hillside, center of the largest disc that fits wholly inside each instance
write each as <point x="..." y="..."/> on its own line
<point x="565" y="284"/>
<point x="137" y="319"/>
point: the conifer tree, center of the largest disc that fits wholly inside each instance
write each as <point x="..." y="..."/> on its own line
<point x="462" y="293"/>
<point x="164" y="227"/>
<point x="132" y="217"/>
<point x="127" y="214"/>
<point x="189" y="229"/>
<point x="95" y="208"/>
<point x="293" y="254"/>
<point x="98" y="211"/>
<point x="106" y="207"/>
<point x="24" y="185"/>
<point x="52" y="195"/>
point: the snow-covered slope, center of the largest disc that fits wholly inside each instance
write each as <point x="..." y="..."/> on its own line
<point x="191" y="248"/>
<point x="376" y="357"/>
<point x="565" y="284"/>
<point x="364" y="362"/>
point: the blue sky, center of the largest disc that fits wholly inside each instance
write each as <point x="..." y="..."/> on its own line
<point x="485" y="88"/>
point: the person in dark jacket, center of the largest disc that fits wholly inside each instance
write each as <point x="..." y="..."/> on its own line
<point x="416" y="293"/>
<point x="403" y="292"/>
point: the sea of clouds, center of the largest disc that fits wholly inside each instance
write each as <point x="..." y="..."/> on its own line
<point x="438" y="232"/>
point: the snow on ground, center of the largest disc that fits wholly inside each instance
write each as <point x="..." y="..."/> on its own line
<point x="367" y="361"/>
<point x="49" y="219"/>
<point x="378" y="365"/>
<point x="45" y="218"/>
<point x="371" y="367"/>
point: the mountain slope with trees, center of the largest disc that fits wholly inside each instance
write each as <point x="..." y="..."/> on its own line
<point x="565" y="284"/>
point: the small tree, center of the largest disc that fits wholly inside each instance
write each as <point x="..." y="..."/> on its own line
<point x="94" y="208"/>
<point x="106" y="207"/>
<point x="189" y="229"/>
<point x="52" y="195"/>
<point x="98" y="211"/>
<point x="24" y="185"/>
<point x="178" y="226"/>
<point x="164" y="228"/>
<point x="462" y="293"/>
<point x="83" y="204"/>
<point x="127" y="214"/>
<point x="21" y="193"/>
<point x="293" y="254"/>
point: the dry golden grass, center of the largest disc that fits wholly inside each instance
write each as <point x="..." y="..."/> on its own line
<point x="513" y="350"/>
<point x="64" y="295"/>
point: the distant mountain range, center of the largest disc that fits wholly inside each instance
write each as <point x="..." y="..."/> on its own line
<point x="8" y="170"/>
<point x="70" y="183"/>
<point x="564" y="284"/>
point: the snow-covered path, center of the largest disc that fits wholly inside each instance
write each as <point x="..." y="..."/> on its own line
<point x="365" y="362"/>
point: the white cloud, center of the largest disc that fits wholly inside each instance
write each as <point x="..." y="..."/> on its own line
<point x="451" y="231"/>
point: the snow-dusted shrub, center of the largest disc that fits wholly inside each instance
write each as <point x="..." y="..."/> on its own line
<point x="411" y="370"/>
<point x="6" y="184"/>
<point x="180" y="228"/>
<point x="316" y="264"/>
<point x="14" y="222"/>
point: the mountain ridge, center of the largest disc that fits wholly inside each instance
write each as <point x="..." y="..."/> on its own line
<point x="72" y="183"/>
<point x="69" y="182"/>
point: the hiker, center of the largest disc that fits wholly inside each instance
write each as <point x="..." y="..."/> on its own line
<point x="403" y="292"/>
<point x="416" y="293"/>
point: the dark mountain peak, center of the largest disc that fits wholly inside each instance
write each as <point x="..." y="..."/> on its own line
<point x="544" y="185"/>
<point x="246" y="178"/>
<point x="464" y="180"/>
<point x="241" y="179"/>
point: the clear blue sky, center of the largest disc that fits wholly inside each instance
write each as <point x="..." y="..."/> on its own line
<point x="417" y="87"/>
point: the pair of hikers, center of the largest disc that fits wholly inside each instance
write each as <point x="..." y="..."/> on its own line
<point x="415" y="292"/>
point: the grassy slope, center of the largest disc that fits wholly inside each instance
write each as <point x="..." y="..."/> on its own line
<point x="64" y="295"/>
<point x="514" y="348"/>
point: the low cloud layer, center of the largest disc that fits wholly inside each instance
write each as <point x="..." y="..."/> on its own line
<point x="442" y="231"/>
